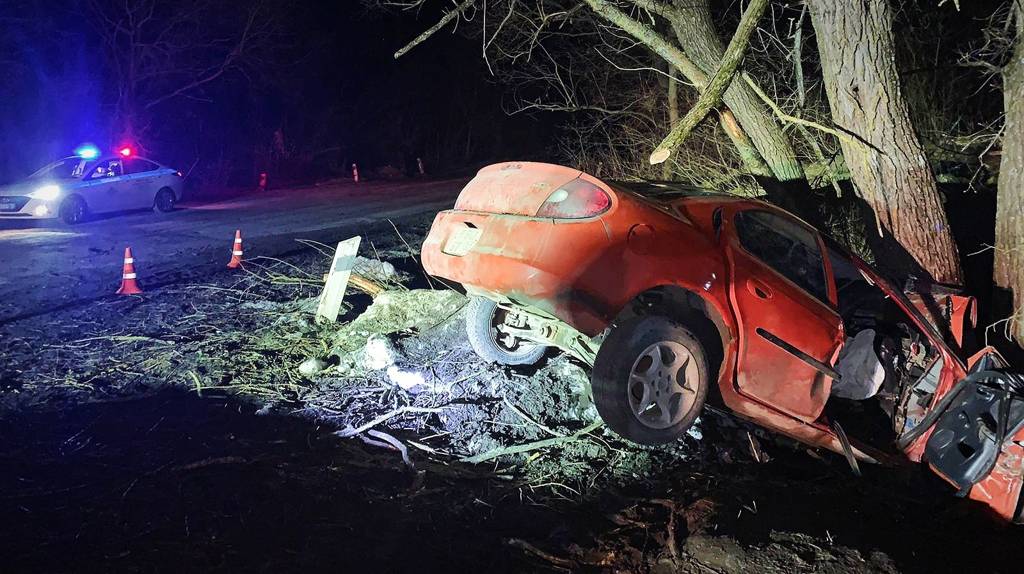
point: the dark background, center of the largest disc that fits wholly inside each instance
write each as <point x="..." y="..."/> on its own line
<point x="326" y="82"/>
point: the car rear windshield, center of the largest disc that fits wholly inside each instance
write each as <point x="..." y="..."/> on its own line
<point x="662" y="191"/>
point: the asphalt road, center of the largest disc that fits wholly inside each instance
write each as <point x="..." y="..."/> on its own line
<point x="47" y="266"/>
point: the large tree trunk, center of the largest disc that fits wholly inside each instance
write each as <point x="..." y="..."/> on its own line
<point x="1009" y="263"/>
<point x="885" y="157"/>
<point x="696" y="33"/>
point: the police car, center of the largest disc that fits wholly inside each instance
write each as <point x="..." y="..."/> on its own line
<point x="75" y="187"/>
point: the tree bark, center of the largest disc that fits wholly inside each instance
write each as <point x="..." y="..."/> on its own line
<point x="890" y="171"/>
<point x="1009" y="256"/>
<point x="695" y="31"/>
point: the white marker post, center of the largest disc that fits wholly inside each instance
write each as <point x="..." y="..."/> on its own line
<point x="337" y="279"/>
<point x="355" y="173"/>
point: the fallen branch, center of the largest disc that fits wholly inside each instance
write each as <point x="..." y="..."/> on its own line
<point x="711" y="97"/>
<point x="526" y="418"/>
<point x="368" y="286"/>
<point x="391" y="443"/>
<point x="519" y="449"/>
<point x="531" y="549"/>
<point x="350" y="431"/>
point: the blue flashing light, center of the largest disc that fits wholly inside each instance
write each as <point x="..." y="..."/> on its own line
<point x="87" y="152"/>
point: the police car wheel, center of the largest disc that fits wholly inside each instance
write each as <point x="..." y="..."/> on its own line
<point x="164" y="200"/>
<point x="73" y="210"/>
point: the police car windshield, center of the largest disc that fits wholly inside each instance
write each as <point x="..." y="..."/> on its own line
<point x="67" y="168"/>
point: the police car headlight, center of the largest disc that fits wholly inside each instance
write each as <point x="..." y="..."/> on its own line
<point x="46" y="193"/>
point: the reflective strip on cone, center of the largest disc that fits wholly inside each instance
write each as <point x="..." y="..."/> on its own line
<point x="128" y="276"/>
<point x="236" y="252"/>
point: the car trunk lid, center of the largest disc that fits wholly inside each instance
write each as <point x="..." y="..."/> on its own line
<point x="516" y="188"/>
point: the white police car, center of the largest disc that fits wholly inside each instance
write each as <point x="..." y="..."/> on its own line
<point x="76" y="186"/>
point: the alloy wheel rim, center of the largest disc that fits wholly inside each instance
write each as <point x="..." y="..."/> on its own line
<point x="662" y="387"/>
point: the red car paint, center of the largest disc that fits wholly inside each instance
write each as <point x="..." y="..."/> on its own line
<point x="585" y="271"/>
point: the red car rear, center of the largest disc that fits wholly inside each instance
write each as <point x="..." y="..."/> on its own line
<point x="676" y="296"/>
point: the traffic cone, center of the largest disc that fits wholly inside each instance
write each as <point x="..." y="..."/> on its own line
<point x="129" y="286"/>
<point x="236" y="251"/>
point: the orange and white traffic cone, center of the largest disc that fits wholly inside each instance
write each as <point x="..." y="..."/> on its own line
<point x="236" y="251"/>
<point x="129" y="286"/>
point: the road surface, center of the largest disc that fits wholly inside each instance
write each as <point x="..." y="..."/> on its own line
<point x="46" y="266"/>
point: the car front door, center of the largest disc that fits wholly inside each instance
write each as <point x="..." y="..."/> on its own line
<point x="783" y="297"/>
<point x="973" y="435"/>
<point x="105" y="186"/>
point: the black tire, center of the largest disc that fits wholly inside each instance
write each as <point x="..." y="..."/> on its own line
<point x="625" y="368"/>
<point x="482" y="318"/>
<point x="164" y="200"/>
<point x="73" y="210"/>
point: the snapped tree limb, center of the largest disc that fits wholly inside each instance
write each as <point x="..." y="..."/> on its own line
<point x="448" y="17"/>
<point x="711" y="96"/>
<point x="668" y="51"/>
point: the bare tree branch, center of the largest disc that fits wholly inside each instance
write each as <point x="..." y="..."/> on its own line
<point x="448" y="17"/>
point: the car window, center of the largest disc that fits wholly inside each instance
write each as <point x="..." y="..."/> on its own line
<point x="139" y="166"/>
<point x="786" y="246"/>
<point x="106" y="168"/>
<point x="67" y="168"/>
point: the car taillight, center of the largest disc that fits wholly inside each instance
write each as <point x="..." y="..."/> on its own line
<point x="575" y="200"/>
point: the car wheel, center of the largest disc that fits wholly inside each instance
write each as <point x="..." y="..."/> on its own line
<point x="164" y="200"/>
<point x="73" y="210"/>
<point x="483" y="317"/>
<point x="650" y="379"/>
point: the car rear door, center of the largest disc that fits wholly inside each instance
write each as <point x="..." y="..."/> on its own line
<point x="974" y="435"/>
<point x="782" y="295"/>
<point x="142" y="186"/>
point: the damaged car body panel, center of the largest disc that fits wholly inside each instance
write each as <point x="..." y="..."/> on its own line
<point x="806" y="339"/>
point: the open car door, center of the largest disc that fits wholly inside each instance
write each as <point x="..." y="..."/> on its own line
<point x="974" y="435"/>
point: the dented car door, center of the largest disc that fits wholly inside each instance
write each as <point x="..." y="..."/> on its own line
<point x="973" y="435"/>
<point x="789" y="332"/>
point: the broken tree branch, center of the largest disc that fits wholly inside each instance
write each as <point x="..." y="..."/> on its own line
<point x="448" y="17"/>
<point x="711" y="96"/>
<point x="521" y="448"/>
<point x="350" y="431"/>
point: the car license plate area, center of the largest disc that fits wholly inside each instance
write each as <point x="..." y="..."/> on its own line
<point x="461" y="241"/>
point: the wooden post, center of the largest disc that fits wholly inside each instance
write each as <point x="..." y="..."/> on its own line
<point x="337" y="279"/>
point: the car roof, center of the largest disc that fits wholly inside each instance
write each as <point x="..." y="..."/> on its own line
<point x="117" y="156"/>
<point x="667" y="191"/>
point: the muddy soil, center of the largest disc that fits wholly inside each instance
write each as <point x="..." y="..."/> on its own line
<point x="175" y="431"/>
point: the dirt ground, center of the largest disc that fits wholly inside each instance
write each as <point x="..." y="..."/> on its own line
<point x="213" y="426"/>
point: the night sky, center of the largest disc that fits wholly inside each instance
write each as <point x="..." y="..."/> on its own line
<point x="326" y="80"/>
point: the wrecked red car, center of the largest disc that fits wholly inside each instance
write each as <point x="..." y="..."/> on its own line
<point x="677" y="296"/>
